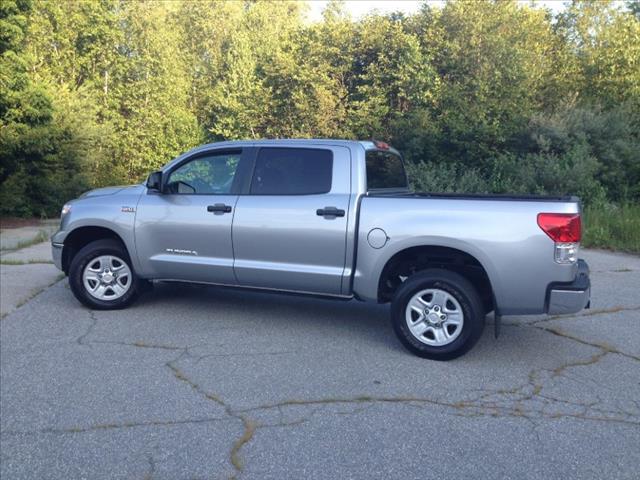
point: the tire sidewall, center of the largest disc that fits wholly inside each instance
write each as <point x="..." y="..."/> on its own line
<point x="87" y="255"/>
<point x="464" y="293"/>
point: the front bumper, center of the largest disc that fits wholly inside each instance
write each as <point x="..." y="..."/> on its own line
<point x="56" y="253"/>
<point x="563" y="298"/>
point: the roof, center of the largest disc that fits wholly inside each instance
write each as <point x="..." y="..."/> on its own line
<point x="285" y="141"/>
<point x="365" y="144"/>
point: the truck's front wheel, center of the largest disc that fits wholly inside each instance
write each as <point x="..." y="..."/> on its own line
<point x="101" y="276"/>
<point x="437" y="314"/>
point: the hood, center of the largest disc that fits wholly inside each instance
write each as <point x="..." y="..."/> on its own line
<point x="106" y="191"/>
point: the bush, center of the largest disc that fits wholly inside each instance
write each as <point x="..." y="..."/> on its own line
<point x="612" y="226"/>
<point x="543" y="174"/>
<point x="587" y="152"/>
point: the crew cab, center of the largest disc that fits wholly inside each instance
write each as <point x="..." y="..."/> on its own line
<point x="334" y="218"/>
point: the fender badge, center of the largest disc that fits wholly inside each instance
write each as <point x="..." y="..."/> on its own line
<point x="128" y="209"/>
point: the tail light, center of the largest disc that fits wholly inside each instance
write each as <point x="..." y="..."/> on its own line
<point x="561" y="227"/>
<point x="565" y="229"/>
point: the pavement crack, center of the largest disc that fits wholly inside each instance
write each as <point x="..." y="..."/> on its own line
<point x="249" y="430"/>
<point x="602" y="346"/>
<point x="355" y="400"/>
<point x="588" y="313"/>
<point x="34" y="293"/>
<point x="151" y="346"/>
<point x="504" y="403"/>
<point x="617" y="270"/>
<point x="81" y="340"/>
<point x="244" y="354"/>
<point x="116" y="426"/>
<point x="480" y="406"/>
<point x="152" y="468"/>
<point x="249" y="426"/>
<point x="283" y="424"/>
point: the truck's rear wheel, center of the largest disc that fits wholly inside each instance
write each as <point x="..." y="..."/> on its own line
<point x="437" y="314"/>
<point x="101" y="276"/>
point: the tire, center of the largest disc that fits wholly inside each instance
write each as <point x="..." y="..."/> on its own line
<point x="87" y="270"/>
<point x="450" y="331"/>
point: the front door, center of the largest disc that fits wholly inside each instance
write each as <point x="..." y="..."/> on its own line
<point x="184" y="233"/>
<point x="289" y="231"/>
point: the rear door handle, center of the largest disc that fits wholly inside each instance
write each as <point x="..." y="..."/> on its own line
<point x="219" y="208"/>
<point x="330" y="212"/>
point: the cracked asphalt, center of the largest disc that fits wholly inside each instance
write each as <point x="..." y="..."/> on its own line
<point x="207" y="383"/>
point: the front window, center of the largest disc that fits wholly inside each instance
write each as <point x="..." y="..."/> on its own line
<point x="207" y="174"/>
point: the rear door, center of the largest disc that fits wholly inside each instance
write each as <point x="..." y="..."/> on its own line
<point x="184" y="233"/>
<point x="289" y="231"/>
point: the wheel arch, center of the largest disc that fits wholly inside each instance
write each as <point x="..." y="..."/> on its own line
<point x="413" y="259"/>
<point x="80" y="237"/>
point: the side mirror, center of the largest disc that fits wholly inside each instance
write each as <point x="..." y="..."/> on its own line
<point x="154" y="181"/>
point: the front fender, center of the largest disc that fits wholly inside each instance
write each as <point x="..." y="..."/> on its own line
<point x="114" y="212"/>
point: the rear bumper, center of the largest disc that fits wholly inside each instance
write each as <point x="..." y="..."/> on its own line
<point x="563" y="298"/>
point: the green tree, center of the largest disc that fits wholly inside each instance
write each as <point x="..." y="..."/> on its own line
<point x="149" y="99"/>
<point x="123" y="59"/>
<point x="606" y="40"/>
<point x="205" y="29"/>
<point x="391" y="77"/>
<point x="493" y="60"/>
<point x="42" y="149"/>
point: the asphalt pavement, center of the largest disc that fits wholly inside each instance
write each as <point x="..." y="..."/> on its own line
<point x="206" y="383"/>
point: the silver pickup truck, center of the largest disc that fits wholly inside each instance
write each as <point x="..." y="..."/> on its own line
<point x="333" y="218"/>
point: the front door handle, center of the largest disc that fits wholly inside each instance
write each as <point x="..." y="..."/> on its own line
<point x="219" y="208"/>
<point x="330" y="212"/>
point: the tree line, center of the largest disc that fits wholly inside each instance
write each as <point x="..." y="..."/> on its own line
<point x="491" y="96"/>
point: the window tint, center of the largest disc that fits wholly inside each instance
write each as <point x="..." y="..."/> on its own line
<point x="384" y="170"/>
<point x="208" y="174"/>
<point x="292" y="171"/>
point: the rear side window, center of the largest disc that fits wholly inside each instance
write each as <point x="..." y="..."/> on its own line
<point x="292" y="171"/>
<point x="385" y="170"/>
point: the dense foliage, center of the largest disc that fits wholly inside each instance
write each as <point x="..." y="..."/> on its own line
<point x="480" y="96"/>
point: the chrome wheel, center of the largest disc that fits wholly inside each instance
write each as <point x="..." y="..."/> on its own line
<point x="107" y="277"/>
<point x="434" y="317"/>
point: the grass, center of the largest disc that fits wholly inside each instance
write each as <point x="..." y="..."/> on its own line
<point x="41" y="236"/>
<point x="614" y="227"/>
<point x="24" y="262"/>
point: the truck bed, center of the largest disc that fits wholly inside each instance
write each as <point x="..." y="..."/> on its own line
<point x="479" y="196"/>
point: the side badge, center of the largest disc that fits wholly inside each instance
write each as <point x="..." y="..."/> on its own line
<point x="181" y="251"/>
<point x="128" y="209"/>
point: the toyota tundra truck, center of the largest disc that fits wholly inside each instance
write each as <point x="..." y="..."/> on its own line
<point x="330" y="218"/>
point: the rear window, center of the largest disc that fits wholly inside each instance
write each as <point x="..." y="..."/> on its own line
<point x="385" y="170"/>
<point x="292" y="171"/>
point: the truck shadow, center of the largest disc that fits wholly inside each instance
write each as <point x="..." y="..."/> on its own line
<point x="228" y="307"/>
<point x="350" y="321"/>
<point x="218" y="314"/>
<point x="206" y="311"/>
